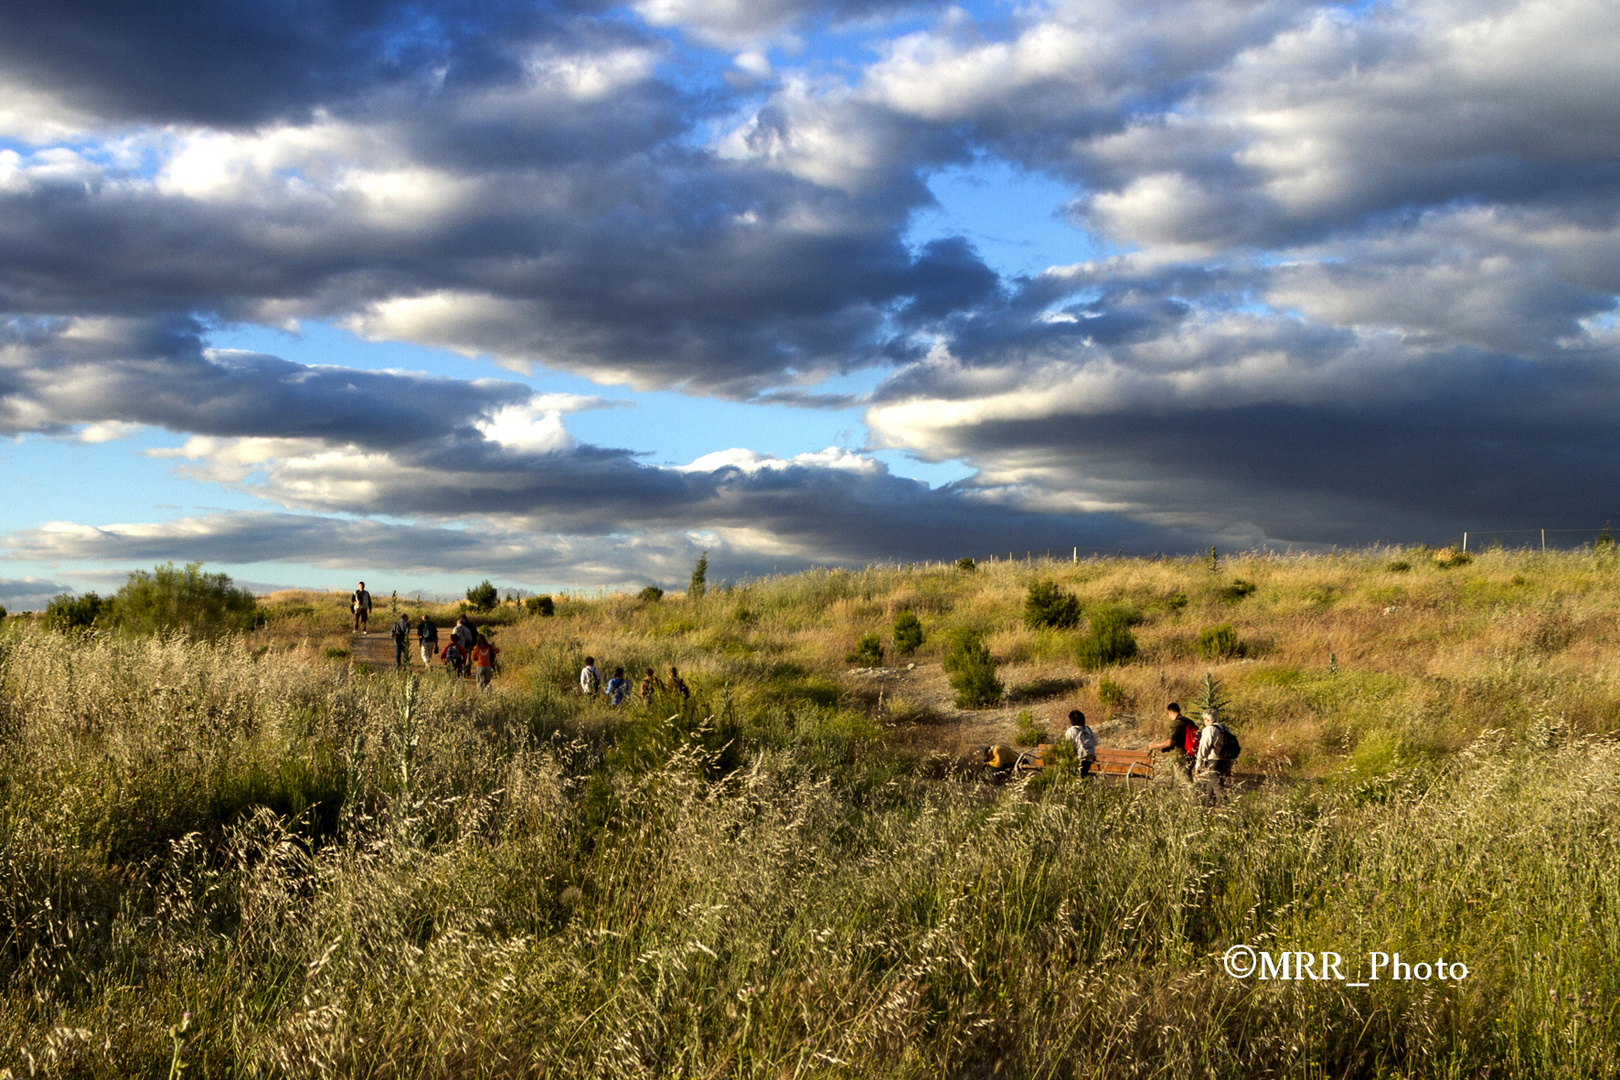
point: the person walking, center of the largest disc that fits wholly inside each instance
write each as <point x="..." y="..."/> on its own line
<point x="590" y="680"/>
<point x="455" y="661"/>
<point x="649" y="686"/>
<point x="677" y="685"/>
<point x="360" y="604"/>
<point x="428" y="636"/>
<point x="617" y="687"/>
<point x="466" y="635"/>
<point x="483" y="660"/>
<point x="401" y="630"/>
<point x="1181" y="745"/>
<point x="1213" y="763"/>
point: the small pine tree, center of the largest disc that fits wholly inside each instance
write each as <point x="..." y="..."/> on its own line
<point x="700" y="578"/>
<point x="1605" y="538"/>
<point x="1108" y="641"/>
<point x="650" y="595"/>
<point x="908" y="633"/>
<point x="1048" y="605"/>
<point x="483" y="596"/>
<point x="1210" y="698"/>
<point x="868" y="651"/>
<point x="973" y="671"/>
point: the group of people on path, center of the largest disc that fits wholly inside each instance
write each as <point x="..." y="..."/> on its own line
<point x="1201" y="755"/>
<point x="617" y="688"/>
<point x="469" y="652"/>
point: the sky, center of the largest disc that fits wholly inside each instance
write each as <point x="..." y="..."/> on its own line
<point x="562" y="295"/>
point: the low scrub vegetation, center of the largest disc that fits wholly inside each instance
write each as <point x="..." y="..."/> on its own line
<point x="1108" y="639"/>
<point x="972" y="671"/>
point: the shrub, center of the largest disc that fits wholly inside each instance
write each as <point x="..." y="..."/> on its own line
<point x="1399" y="566"/>
<point x="966" y="563"/>
<point x="908" y="633"/>
<point x="868" y="651"/>
<point x="1220" y="643"/>
<point x="1176" y="601"/>
<point x="169" y="600"/>
<point x="2" y="611"/>
<point x="700" y="578"/>
<point x="972" y="671"/>
<point x="1237" y="591"/>
<point x="1108" y="641"/>
<point x="741" y="613"/>
<point x="650" y="595"/>
<point x="541" y="605"/>
<point x="1110" y="692"/>
<point x="66" y="612"/>
<point x="1030" y="732"/>
<point x="1448" y="557"/>
<point x="336" y="652"/>
<point x="483" y="596"/>
<point x="1048" y="605"/>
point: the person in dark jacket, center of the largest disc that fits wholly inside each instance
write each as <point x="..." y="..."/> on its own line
<point x="1181" y="744"/>
<point x="427" y="635"/>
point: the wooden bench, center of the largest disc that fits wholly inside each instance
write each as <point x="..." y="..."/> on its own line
<point x="1110" y="762"/>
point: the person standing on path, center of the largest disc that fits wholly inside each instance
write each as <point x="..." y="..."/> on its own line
<point x="360" y="604"/>
<point x="466" y="636"/>
<point x="402" y="641"/>
<point x="428" y="635"/>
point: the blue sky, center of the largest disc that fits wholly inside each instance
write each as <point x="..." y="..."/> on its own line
<point x="564" y="295"/>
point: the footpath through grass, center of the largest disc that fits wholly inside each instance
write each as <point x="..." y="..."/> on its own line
<point x="250" y="861"/>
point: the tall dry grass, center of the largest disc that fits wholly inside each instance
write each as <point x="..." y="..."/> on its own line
<point x="257" y="864"/>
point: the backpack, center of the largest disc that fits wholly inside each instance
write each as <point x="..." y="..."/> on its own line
<point x="1226" y="743"/>
<point x="1189" y="738"/>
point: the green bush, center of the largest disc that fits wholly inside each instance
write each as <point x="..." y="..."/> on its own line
<point x="650" y="595"/>
<point x="1110" y="692"/>
<point x="1237" y="591"/>
<point x="1030" y="731"/>
<point x="483" y="596"/>
<point x="1048" y="605"/>
<point x="972" y="671"/>
<point x="908" y="633"/>
<point x="1220" y="643"/>
<point x="966" y="563"/>
<point x="167" y="600"/>
<point x="1108" y="640"/>
<point x="540" y="605"/>
<point x="868" y="651"/>
<point x="1399" y="566"/>
<point x="1448" y="557"/>
<point x="66" y="612"/>
<point x="336" y="652"/>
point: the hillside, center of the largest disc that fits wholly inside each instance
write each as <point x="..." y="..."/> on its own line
<point x="1356" y="662"/>
<point x="253" y="858"/>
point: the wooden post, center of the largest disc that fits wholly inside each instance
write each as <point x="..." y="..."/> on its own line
<point x="1465" y="540"/>
<point x="1543" y="543"/>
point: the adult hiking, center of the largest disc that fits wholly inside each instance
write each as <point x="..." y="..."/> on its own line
<point x="360" y="604"/>
<point x="590" y="680"/>
<point x="1084" y="739"/>
<point x="466" y="635"/>
<point x="401" y="631"/>
<point x="1181" y="746"/>
<point x="483" y="661"/>
<point x="1217" y="749"/>
<point x="677" y="685"/>
<point x="427" y="635"/>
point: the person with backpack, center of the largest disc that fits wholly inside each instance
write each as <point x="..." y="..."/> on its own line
<point x="1181" y="746"/>
<point x="650" y="686"/>
<point x="427" y="635"/>
<point x="617" y="687"/>
<point x="677" y="685"/>
<point x="360" y="604"/>
<point x="1084" y="739"/>
<point x="483" y="661"/>
<point x="590" y="680"/>
<point x="455" y="661"/>
<point x="466" y="635"/>
<point x="1217" y="749"/>
<point x="401" y="630"/>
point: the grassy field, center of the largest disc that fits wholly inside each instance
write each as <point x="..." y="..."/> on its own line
<point x="258" y="859"/>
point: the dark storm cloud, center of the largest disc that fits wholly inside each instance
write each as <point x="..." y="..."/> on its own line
<point x="241" y="62"/>
<point x="58" y="373"/>
<point x="28" y="594"/>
